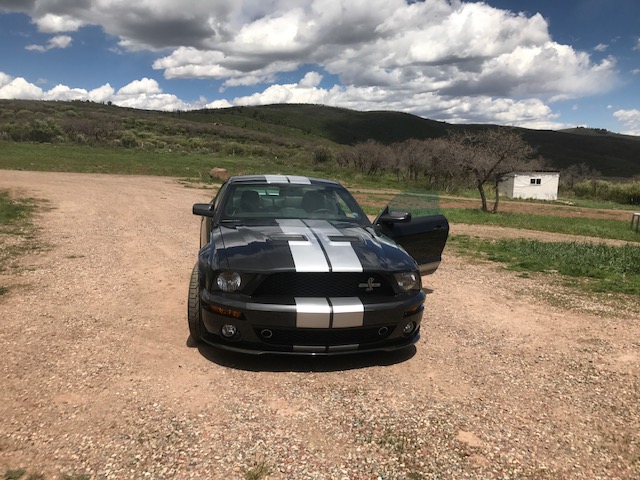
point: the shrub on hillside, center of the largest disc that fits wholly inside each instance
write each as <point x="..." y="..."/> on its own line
<point x="39" y="131"/>
<point x="129" y="140"/>
<point x="44" y="131"/>
<point x="322" y="155"/>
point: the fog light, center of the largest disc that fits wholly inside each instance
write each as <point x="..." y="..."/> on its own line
<point x="228" y="330"/>
<point x="409" y="328"/>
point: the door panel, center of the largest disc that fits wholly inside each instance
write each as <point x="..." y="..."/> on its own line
<point x="423" y="238"/>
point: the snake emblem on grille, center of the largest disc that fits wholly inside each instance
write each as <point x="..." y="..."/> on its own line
<point x="370" y="285"/>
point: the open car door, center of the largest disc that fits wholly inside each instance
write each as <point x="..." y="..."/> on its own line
<point x="414" y="222"/>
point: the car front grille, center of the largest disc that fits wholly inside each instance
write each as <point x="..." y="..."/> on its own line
<point x="338" y="336"/>
<point x="330" y="284"/>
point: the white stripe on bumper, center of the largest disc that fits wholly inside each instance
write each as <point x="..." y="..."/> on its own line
<point x="343" y="348"/>
<point x="335" y="312"/>
<point x="312" y="312"/>
<point x="310" y="348"/>
<point x="347" y="312"/>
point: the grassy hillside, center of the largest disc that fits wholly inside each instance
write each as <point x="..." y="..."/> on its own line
<point x="339" y="125"/>
<point x="598" y="132"/>
<point x="276" y="131"/>
<point x="612" y="155"/>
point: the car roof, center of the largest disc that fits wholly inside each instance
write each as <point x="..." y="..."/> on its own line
<point x="279" y="179"/>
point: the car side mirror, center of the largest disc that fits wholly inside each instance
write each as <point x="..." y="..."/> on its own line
<point x="394" y="217"/>
<point x="203" y="209"/>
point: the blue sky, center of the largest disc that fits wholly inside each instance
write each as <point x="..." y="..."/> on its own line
<point x="537" y="64"/>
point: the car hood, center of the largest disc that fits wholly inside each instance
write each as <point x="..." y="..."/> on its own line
<point x="309" y="246"/>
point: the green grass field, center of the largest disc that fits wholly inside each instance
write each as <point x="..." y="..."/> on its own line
<point x="596" y="267"/>
<point x="589" y="227"/>
<point x="14" y="213"/>
<point x="87" y="159"/>
<point x="84" y="159"/>
<point x="17" y="234"/>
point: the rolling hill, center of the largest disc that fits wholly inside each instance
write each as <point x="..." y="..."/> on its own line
<point x="284" y="130"/>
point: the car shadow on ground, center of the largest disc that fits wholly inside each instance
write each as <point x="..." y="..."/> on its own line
<point x="298" y="363"/>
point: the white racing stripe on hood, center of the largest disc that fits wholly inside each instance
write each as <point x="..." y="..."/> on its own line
<point x="308" y="256"/>
<point x="342" y="256"/>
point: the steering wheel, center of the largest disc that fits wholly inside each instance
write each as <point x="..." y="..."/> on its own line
<point x="323" y="210"/>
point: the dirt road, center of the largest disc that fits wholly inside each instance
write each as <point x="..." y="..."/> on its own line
<point x="98" y="377"/>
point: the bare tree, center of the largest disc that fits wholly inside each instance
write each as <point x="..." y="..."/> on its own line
<point x="431" y="158"/>
<point x="411" y="155"/>
<point x="441" y="168"/>
<point x="488" y="155"/>
<point x="369" y="157"/>
<point x="576" y="173"/>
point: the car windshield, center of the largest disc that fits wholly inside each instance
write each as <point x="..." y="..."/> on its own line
<point x="260" y="203"/>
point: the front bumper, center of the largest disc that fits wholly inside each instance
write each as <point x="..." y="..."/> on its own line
<point x="312" y="326"/>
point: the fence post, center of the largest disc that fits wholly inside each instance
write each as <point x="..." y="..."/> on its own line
<point x="635" y="219"/>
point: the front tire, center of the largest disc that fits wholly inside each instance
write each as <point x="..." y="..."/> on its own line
<point x="194" y="310"/>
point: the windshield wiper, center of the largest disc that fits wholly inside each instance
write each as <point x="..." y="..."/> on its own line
<point x="248" y="221"/>
<point x="347" y="222"/>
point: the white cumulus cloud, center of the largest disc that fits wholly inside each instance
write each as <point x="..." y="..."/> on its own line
<point x="51" y="23"/>
<point x="144" y="94"/>
<point x="630" y="119"/>
<point x="448" y="59"/>
<point x="20" y="88"/>
<point x="435" y="46"/>
<point x="310" y="80"/>
<point x="146" y="86"/>
<point x="59" y="41"/>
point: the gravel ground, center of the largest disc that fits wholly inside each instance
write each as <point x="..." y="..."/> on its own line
<point x="99" y="377"/>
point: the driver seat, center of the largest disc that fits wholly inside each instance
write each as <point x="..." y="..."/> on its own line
<point x="250" y="201"/>
<point x="312" y="201"/>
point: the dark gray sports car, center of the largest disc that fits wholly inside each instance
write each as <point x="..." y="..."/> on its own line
<point x="292" y="265"/>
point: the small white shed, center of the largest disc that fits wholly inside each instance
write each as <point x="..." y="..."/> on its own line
<point x="537" y="185"/>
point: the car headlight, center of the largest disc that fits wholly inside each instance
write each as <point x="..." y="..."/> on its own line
<point x="408" y="281"/>
<point x="228" y="281"/>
